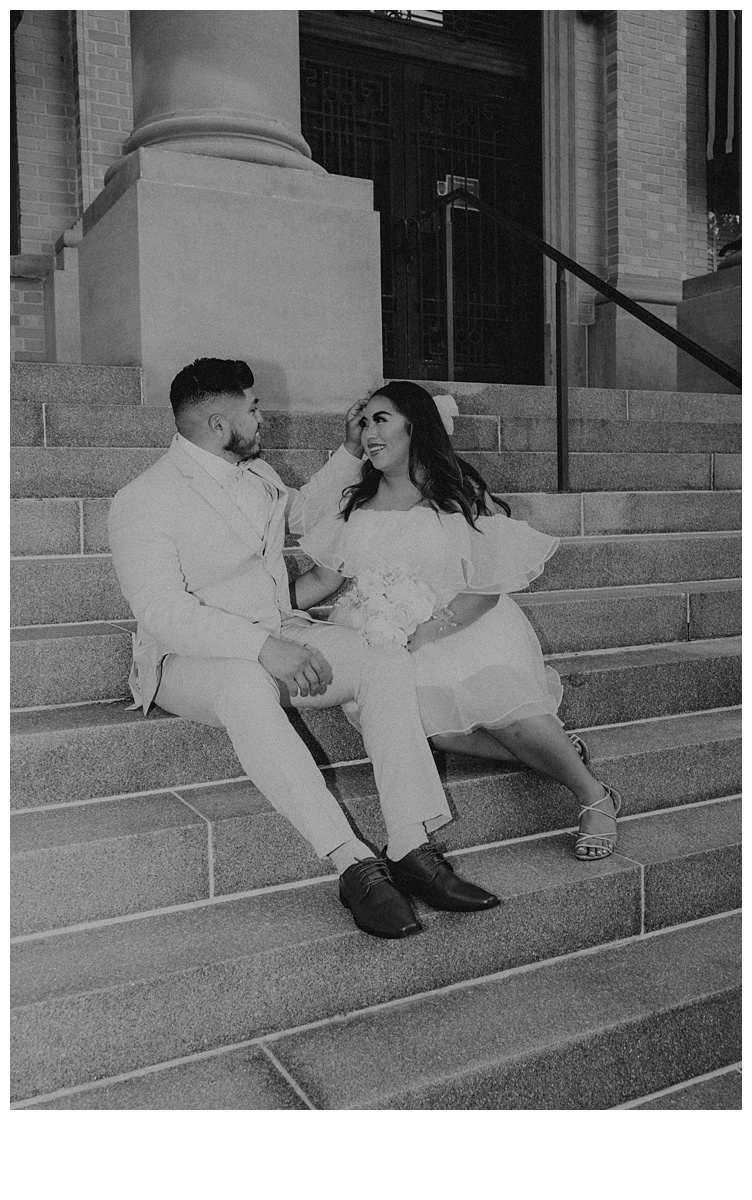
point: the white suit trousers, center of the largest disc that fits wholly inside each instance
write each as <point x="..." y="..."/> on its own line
<point x="241" y="697"/>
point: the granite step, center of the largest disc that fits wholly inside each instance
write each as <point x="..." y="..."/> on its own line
<point x="75" y="526"/>
<point x="611" y="686"/>
<point x="620" y="560"/>
<point x="722" y="1090"/>
<point x="106" y="425"/>
<point x="536" y="402"/>
<point x="75" y="384"/>
<point x="57" y="589"/>
<point x="633" y="437"/>
<point x="71" y="525"/>
<point x="536" y="471"/>
<point x="103" y="1000"/>
<point x="586" y="1033"/>
<point x="79" y="663"/>
<point x="113" y="998"/>
<point x="69" y="664"/>
<point x="45" y="472"/>
<point x="89" y="425"/>
<point x="86" y="384"/>
<point x="39" y="472"/>
<point x="580" y="1034"/>
<point x="63" y="589"/>
<point x="90" y="862"/>
<point x="617" y="560"/>
<point x="239" y="1080"/>
<point x="82" y="752"/>
<point x="571" y="620"/>
<point x="249" y="1078"/>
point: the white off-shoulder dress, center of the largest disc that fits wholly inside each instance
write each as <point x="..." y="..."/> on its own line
<point x="491" y="672"/>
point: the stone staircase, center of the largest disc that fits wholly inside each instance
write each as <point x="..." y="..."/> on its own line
<point x="176" y="945"/>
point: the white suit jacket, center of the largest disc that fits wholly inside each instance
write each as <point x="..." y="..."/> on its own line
<point x="199" y="579"/>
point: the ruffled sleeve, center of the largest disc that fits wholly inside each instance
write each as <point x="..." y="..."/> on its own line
<point x="324" y="535"/>
<point x="499" y="554"/>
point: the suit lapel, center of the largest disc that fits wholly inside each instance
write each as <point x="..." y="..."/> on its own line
<point x="279" y="491"/>
<point x="216" y="496"/>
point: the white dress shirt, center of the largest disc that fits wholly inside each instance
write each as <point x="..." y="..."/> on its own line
<point x="252" y="494"/>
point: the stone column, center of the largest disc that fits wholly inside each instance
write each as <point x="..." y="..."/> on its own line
<point x="217" y="235"/>
<point x="560" y="180"/>
<point x="224" y="84"/>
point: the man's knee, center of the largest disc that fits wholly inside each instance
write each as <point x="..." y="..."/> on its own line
<point x="244" y="685"/>
<point x="388" y="666"/>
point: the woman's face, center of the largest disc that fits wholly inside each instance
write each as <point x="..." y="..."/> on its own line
<point x="385" y="436"/>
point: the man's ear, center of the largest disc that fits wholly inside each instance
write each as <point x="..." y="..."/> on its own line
<point x="216" y="423"/>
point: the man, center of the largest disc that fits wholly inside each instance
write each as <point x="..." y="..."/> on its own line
<point x="197" y="544"/>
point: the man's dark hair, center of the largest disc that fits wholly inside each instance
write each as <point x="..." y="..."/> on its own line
<point x="208" y="377"/>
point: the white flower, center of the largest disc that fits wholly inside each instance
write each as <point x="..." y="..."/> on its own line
<point x="388" y="604"/>
<point x="403" y="618"/>
<point x="381" y="632"/>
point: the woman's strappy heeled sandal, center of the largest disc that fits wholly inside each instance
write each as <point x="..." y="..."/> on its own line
<point x="580" y="746"/>
<point x="604" y="844"/>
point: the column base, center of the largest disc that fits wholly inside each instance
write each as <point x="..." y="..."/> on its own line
<point x="624" y="353"/>
<point x="711" y="314"/>
<point x="186" y="256"/>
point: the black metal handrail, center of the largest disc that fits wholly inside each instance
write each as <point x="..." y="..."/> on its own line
<point x="565" y="263"/>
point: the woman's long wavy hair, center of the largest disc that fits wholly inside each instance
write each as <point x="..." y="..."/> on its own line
<point x="445" y="481"/>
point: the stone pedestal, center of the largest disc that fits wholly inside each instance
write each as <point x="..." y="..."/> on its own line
<point x="188" y="255"/>
<point x="711" y="314"/>
<point x="624" y="353"/>
<point x="217" y="235"/>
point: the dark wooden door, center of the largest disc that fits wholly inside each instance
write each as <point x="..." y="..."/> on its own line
<point x="410" y="126"/>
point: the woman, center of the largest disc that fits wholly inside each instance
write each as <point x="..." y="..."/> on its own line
<point x="433" y="557"/>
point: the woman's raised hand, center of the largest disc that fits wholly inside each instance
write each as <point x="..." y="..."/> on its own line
<point x="352" y="428"/>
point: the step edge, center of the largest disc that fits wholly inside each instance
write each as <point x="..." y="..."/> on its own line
<point x="374" y="1009"/>
<point x="685" y="651"/>
<point x="732" y="715"/>
<point x="679" y="1087"/>
<point x="273" y="889"/>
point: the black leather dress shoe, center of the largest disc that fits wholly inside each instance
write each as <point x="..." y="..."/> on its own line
<point x="377" y="906"/>
<point x="425" y="873"/>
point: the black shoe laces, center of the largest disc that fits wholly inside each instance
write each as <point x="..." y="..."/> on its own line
<point x="371" y="872"/>
<point x="432" y="856"/>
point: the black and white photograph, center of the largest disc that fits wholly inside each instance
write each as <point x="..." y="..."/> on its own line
<point x="375" y="596"/>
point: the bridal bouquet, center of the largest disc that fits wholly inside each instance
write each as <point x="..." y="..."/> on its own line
<point x="389" y="604"/>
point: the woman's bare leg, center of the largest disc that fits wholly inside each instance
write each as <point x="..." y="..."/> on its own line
<point x="479" y="744"/>
<point x="541" y="743"/>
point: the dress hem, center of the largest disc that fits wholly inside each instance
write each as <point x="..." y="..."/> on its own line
<point x="509" y="719"/>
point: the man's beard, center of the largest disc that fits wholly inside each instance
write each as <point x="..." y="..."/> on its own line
<point x="245" y="448"/>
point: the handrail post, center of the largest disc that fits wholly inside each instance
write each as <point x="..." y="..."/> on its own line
<point x="562" y="386"/>
<point x="449" y="290"/>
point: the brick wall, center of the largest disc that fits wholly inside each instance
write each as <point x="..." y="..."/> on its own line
<point x="46" y="145"/>
<point x="698" y="260"/>
<point x="26" y="320"/>
<point x="104" y="95"/>
<point x="646" y="143"/>
<point x="75" y="111"/>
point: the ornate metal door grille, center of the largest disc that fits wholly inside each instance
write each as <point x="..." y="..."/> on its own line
<point x="347" y="116"/>
<point x="407" y="126"/>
